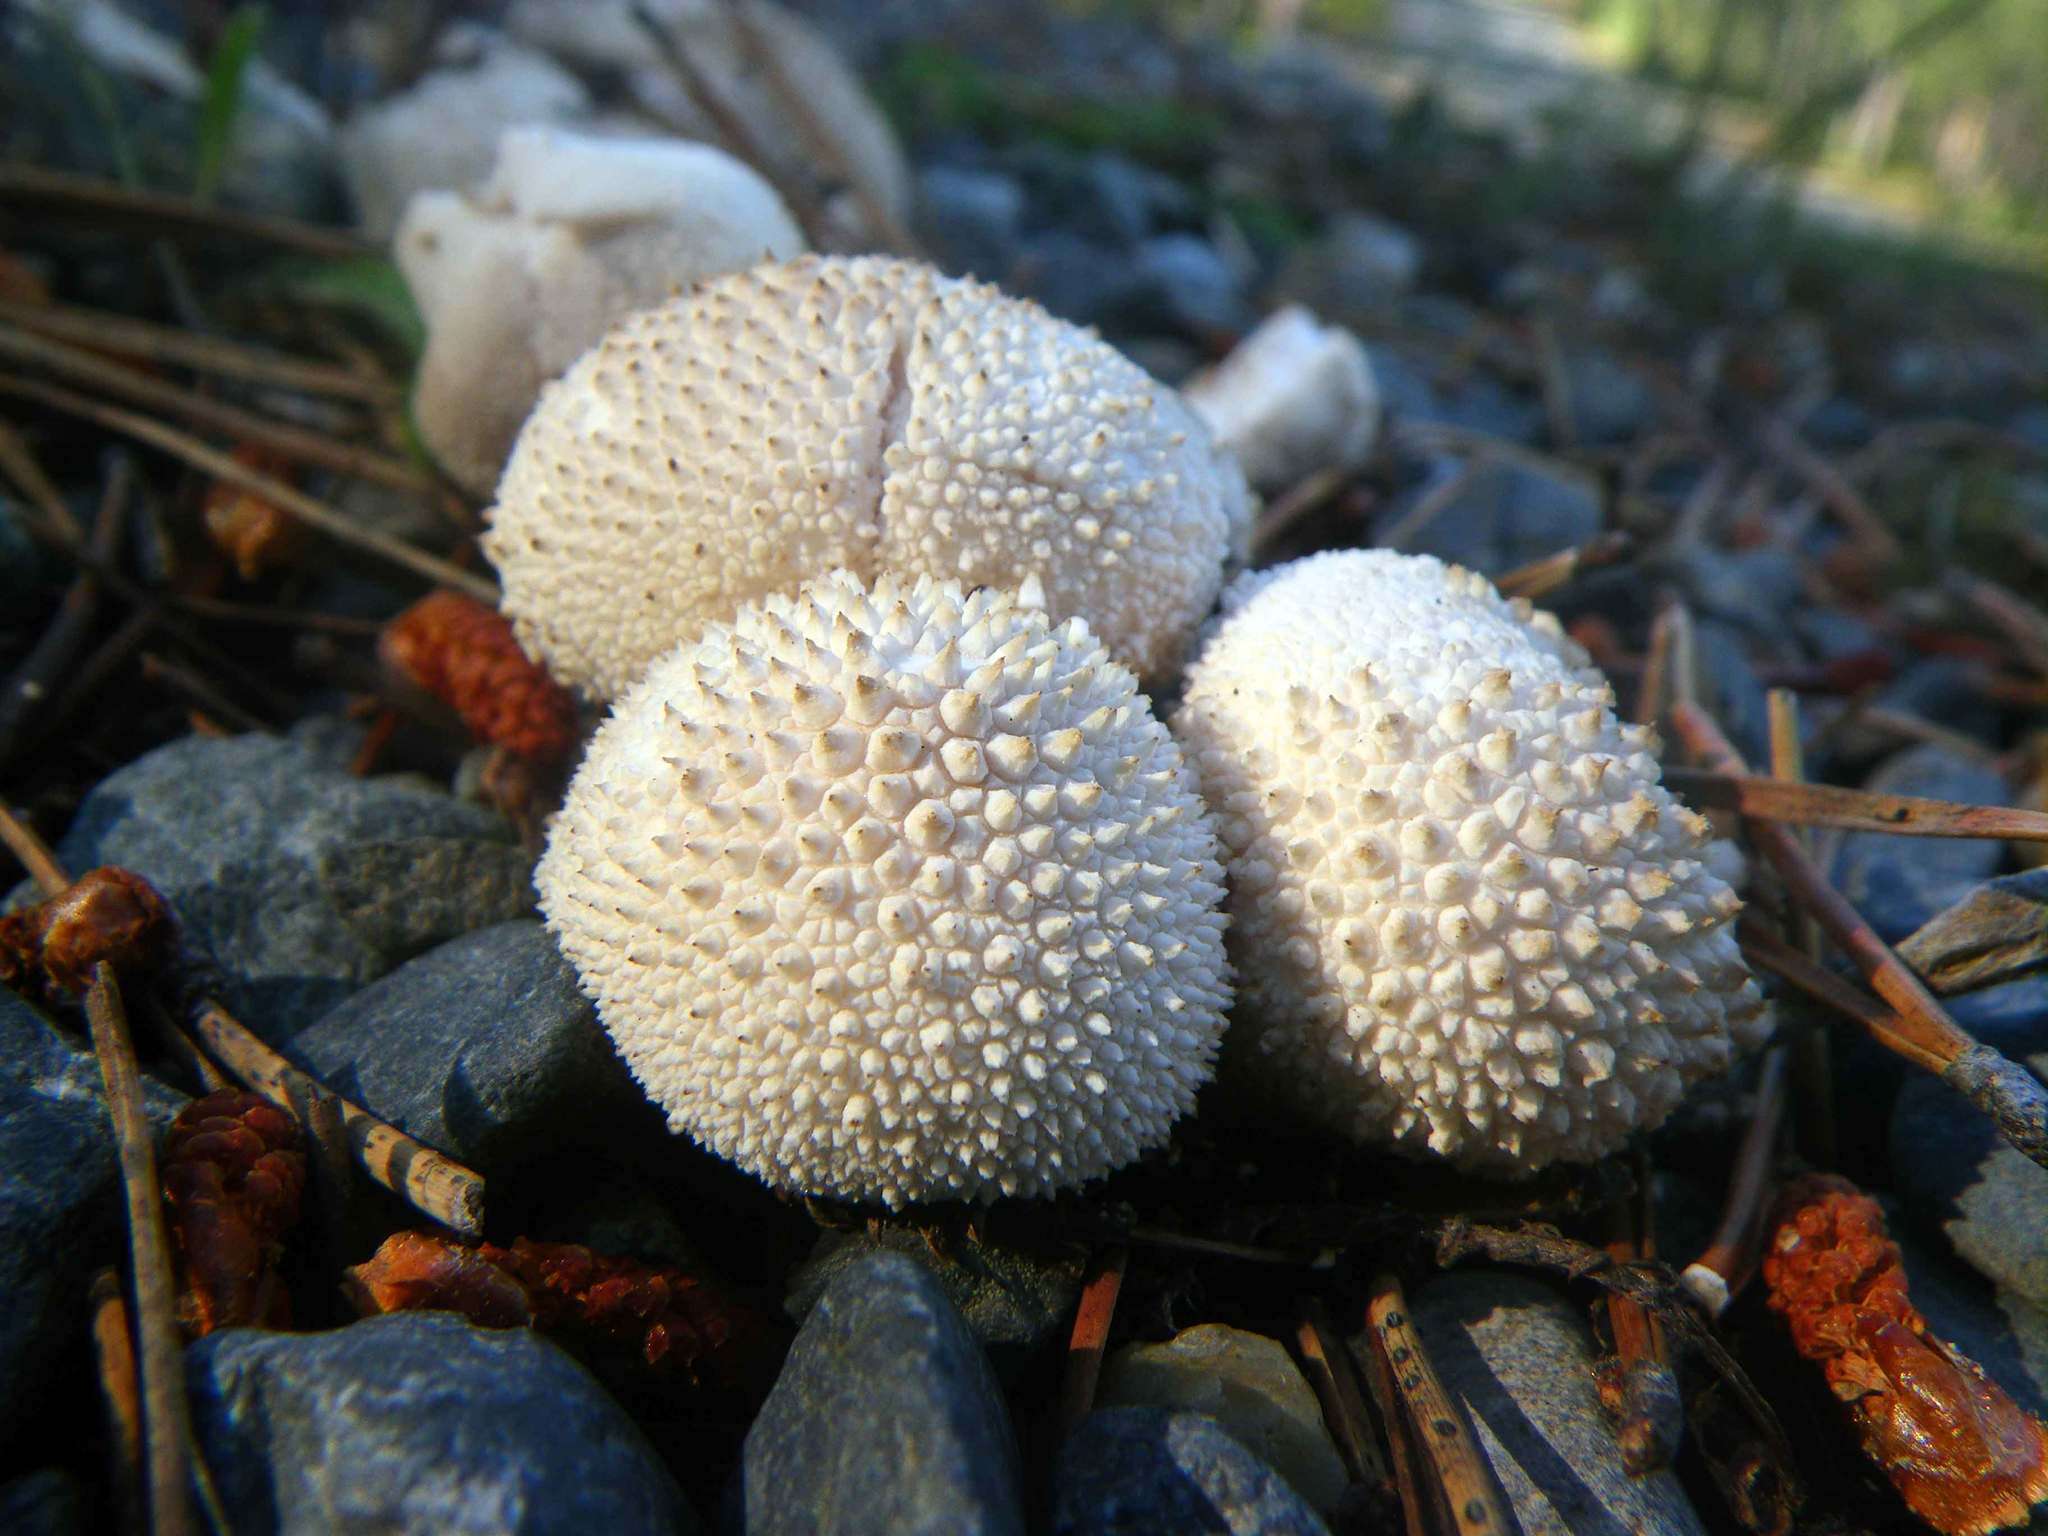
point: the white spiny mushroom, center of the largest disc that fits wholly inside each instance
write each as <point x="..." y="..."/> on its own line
<point x="1469" y="916"/>
<point x="571" y="233"/>
<point x="897" y="894"/>
<point x="864" y="413"/>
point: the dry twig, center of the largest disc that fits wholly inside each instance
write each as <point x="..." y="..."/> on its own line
<point x="1540" y="578"/>
<point x="1650" y="1409"/>
<point x="1091" y="1334"/>
<point x="38" y="193"/>
<point x="114" y="1351"/>
<point x="1858" y="810"/>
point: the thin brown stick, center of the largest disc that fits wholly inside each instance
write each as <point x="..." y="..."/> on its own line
<point x="302" y="444"/>
<point x="1312" y="491"/>
<point x="1651" y="1408"/>
<point x="57" y="649"/>
<point x="36" y="192"/>
<point x="435" y="1185"/>
<point x="167" y="1428"/>
<point x="1813" y="1070"/>
<point x="1724" y="1266"/>
<point x="317" y="514"/>
<point x="1472" y="1499"/>
<point x="1420" y="1508"/>
<point x="1858" y="810"/>
<point x="738" y="138"/>
<point x="1327" y="1365"/>
<point x="1833" y="489"/>
<point x="32" y="853"/>
<point x="114" y="1351"/>
<point x="1766" y="951"/>
<point x="201" y="691"/>
<point x="2015" y="1100"/>
<point x="1431" y="505"/>
<point x="19" y="463"/>
<point x="1540" y="578"/>
<point x="1091" y="1333"/>
<point x="146" y="340"/>
<point x="825" y="146"/>
<point x="276" y="618"/>
<point x="2017" y="619"/>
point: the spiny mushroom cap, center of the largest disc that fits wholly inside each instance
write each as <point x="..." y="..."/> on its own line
<point x="897" y="895"/>
<point x="572" y="232"/>
<point x="1471" y="918"/>
<point x="863" y="413"/>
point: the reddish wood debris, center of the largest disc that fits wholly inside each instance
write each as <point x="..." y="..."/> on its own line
<point x="246" y="528"/>
<point x="105" y="914"/>
<point x="670" y="1318"/>
<point x="1963" y="1455"/>
<point x="233" y="1174"/>
<point x="463" y="653"/>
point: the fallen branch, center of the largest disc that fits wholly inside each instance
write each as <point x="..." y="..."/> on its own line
<point x="222" y="466"/>
<point x="1857" y="810"/>
<point x="2002" y="1089"/>
<point x="1472" y="1503"/>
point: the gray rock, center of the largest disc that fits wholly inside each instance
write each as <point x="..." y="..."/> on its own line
<point x="44" y="1503"/>
<point x="421" y="1423"/>
<point x="1141" y="1471"/>
<point x="1838" y="422"/>
<point x="1250" y="1386"/>
<point x="1939" y="689"/>
<point x="1506" y="516"/>
<point x="59" y="1201"/>
<point x="972" y="219"/>
<point x="886" y="1419"/>
<point x="1898" y="883"/>
<point x="1358" y="263"/>
<point x="1609" y="402"/>
<point x="304" y="883"/>
<point x="1755" y="589"/>
<point x="1013" y="1301"/>
<point x="1730" y="687"/>
<point x="1184" y="282"/>
<point x="1958" y="1174"/>
<point x="1127" y="202"/>
<point x="1995" y="933"/>
<point x="484" y="1048"/>
<point x="1519" y="1358"/>
<point x="1076" y="278"/>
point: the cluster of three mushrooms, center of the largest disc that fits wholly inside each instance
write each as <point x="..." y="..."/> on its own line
<point x="888" y="883"/>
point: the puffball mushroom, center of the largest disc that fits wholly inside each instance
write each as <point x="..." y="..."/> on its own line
<point x="855" y="412"/>
<point x="1472" y="918"/>
<point x="896" y="894"/>
<point x="1293" y="397"/>
<point x="571" y="232"/>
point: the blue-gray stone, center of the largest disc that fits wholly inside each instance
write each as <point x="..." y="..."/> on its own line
<point x="1519" y="1358"/>
<point x="1076" y="278"/>
<point x="1505" y="516"/>
<point x="1731" y="689"/>
<point x="1127" y="202"/>
<point x="418" y="1424"/>
<point x="971" y="219"/>
<point x="302" y="882"/>
<point x="483" y="1047"/>
<point x="44" y="1503"/>
<point x="886" y="1419"/>
<point x="60" y="1206"/>
<point x="1184" y="283"/>
<point x="1136" y="1471"/>
<point x="1608" y="401"/>
<point x="1898" y="883"/>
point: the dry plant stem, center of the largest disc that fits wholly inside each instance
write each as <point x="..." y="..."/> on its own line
<point x="1471" y="1498"/>
<point x="1833" y="488"/>
<point x="738" y="139"/>
<point x="2016" y="618"/>
<point x="1327" y="1365"/>
<point x="1419" y="1509"/>
<point x="436" y="1186"/>
<point x="1857" y="810"/>
<point x="2013" y="1098"/>
<point x="1431" y="505"/>
<point x="166" y="1423"/>
<point x="55" y="652"/>
<point x="1652" y="1409"/>
<point x="168" y="344"/>
<point x="114" y="1351"/>
<point x="201" y="692"/>
<point x="1540" y="578"/>
<point x="300" y="443"/>
<point x="19" y="463"/>
<point x="1091" y="1333"/>
<point x="1717" y="1276"/>
<point x="823" y="144"/>
<point x="317" y="514"/>
<point x="1768" y="952"/>
<point x="33" y="191"/>
<point x="1813" y="1071"/>
<point x="319" y="1111"/>
<point x="1307" y="494"/>
<point x="181" y="1048"/>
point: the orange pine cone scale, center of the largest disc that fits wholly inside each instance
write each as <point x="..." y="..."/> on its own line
<point x="233" y="1175"/>
<point x="463" y="653"/>
<point x="105" y="914"/>
<point x="1963" y="1455"/>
